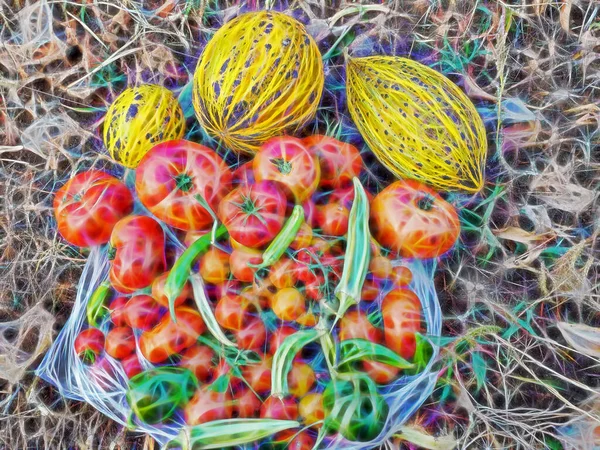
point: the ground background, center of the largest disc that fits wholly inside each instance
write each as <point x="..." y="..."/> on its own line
<point x="528" y="256"/>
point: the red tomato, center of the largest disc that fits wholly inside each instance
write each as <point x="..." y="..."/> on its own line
<point x="171" y="177"/>
<point x="199" y="359"/>
<point x="244" y="175"/>
<point x="379" y="372"/>
<point x="411" y="219"/>
<point x="193" y="235"/>
<point x="232" y="312"/>
<point x="239" y="260"/>
<point x="283" y="273"/>
<point x="301" y="379"/>
<point x="257" y="296"/>
<point x="138" y="253"/>
<point x="253" y="215"/>
<point x="285" y="159"/>
<point x="296" y="440"/>
<point x="207" y="405"/>
<point x="332" y="218"/>
<point x="131" y="365"/>
<point x="370" y="290"/>
<point x="279" y="336"/>
<point x="313" y="285"/>
<point x="169" y="338"/>
<point x="345" y="196"/>
<point x="258" y="375"/>
<point x="89" y="344"/>
<point x="117" y="311"/>
<point x="310" y="212"/>
<point x="288" y="304"/>
<point x="252" y="336"/>
<point x="216" y="291"/>
<point x="402" y="276"/>
<point x="339" y="161"/>
<point x="120" y="342"/>
<point x="89" y="205"/>
<point x="142" y="312"/>
<point x="311" y="409"/>
<point x="356" y="325"/>
<point x="401" y="310"/>
<point x="279" y="408"/>
<point x="214" y="266"/>
<point x="380" y="267"/>
<point x="158" y="291"/>
<point x="246" y="404"/>
<point x="303" y="237"/>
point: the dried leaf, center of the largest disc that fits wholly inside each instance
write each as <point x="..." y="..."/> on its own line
<point x="583" y="338"/>
<point x="519" y="235"/>
<point x="420" y="437"/>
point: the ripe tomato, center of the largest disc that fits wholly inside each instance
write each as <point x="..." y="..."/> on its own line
<point x="301" y="441"/>
<point x="232" y="312"/>
<point x="345" y="196"/>
<point x="173" y="175"/>
<point x="370" y="290"/>
<point x="244" y="175"/>
<point x="311" y="410"/>
<point x="199" y="359"/>
<point x="137" y="252"/>
<point x="193" y="235"/>
<point x="208" y="404"/>
<point x="252" y="336"/>
<point x="117" y="311"/>
<point x="301" y="379"/>
<point x="89" y="205"/>
<point x="411" y="219"/>
<point x="279" y="408"/>
<point x="158" y="291"/>
<point x="380" y="267"/>
<point x="258" y="375"/>
<point x="246" y="404"/>
<point x="214" y="266"/>
<point x="253" y="215"/>
<point x="89" y="344"/>
<point x="283" y="273"/>
<point x="339" y="161"/>
<point x="169" y="338"/>
<point x="120" y="342"/>
<point x="379" y="372"/>
<point x="142" y="312"/>
<point x="303" y="237"/>
<point x="332" y="218"/>
<point x="310" y="212"/>
<point x="356" y="325"/>
<point x="131" y="365"/>
<point x="401" y="310"/>
<point x="402" y="276"/>
<point x="285" y="159"/>
<point x="288" y="304"/>
<point x="279" y="336"/>
<point x="239" y="260"/>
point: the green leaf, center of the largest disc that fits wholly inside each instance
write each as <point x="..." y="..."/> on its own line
<point x="479" y="368"/>
<point x="423" y="354"/>
<point x="354" y="350"/>
<point x="552" y="443"/>
<point x="284" y="356"/>
<point x="228" y="433"/>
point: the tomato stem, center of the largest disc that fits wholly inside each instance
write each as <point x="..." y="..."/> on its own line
<point x="284" y="167"/>
<point x="111" y="252"/>
<point x="184" y="182"/>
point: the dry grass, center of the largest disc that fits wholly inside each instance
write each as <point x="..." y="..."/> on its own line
<point x="528" y="256"/>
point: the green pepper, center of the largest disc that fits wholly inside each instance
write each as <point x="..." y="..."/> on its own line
<point x="358" y="252"/>
<point x="284" y="239"/>
<point x="96" y="309"/>
<point x="155" y="395"/>
<point x="181" y="269"/>
<point x="354" y="408"/>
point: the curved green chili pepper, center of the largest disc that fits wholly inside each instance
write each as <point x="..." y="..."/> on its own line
<point x="228" y="433"/>
<point x="96" y="310"/>
<point x="283" y="240"/>
<point x="358" y="252"/>
<point x="183" y="266"/>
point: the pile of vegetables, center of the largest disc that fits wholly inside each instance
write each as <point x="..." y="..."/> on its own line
<point x="264" y="301"/>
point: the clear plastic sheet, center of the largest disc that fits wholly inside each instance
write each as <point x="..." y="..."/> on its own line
<point x="104" y="384"/>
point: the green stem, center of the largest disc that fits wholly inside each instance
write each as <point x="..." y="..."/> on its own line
<point x="96" y="309"/>
<point x="180" y="272"/>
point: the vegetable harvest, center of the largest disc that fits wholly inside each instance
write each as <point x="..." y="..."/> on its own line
<point x="270" y="298"/>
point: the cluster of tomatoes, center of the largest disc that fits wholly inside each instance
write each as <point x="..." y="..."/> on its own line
<point x="183" y="190"/>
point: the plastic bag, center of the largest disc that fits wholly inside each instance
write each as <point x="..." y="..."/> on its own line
<point x="104" y="384"/>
